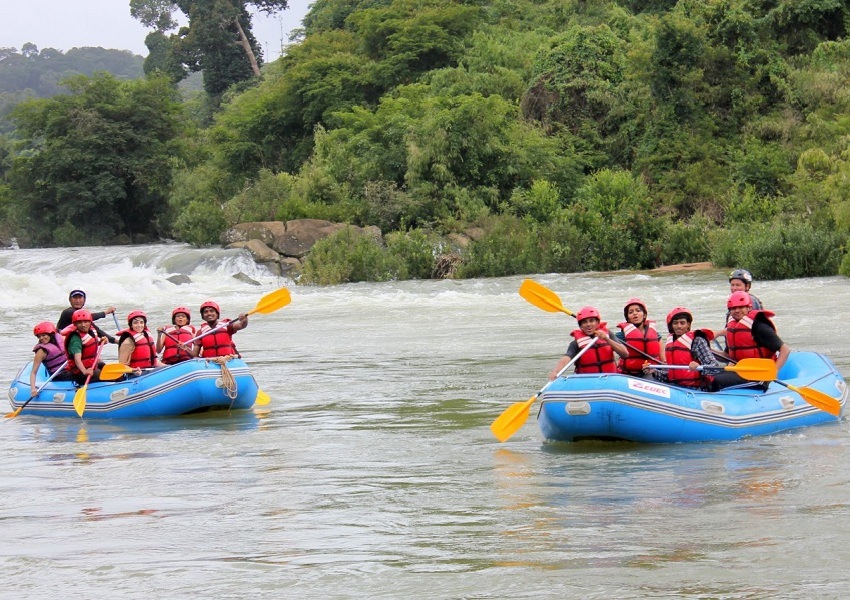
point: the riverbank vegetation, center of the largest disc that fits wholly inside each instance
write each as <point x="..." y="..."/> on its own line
<point x="483" y="138"/>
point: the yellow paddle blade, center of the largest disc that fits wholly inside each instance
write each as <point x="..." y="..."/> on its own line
<point x="262" y="398"/>
<point x="514" y="417"/>
<point x="817" y="399"/>
<point x="15" y="412"/>
<point x="542" y="297"/>
<point x="272" y="301"/>
<point x="80" y="401"/>
<point x="755" y="369"/>
<point x="113" y="371"/>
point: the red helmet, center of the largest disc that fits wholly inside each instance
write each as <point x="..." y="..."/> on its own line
<point x="586" y="313"/>
<point x="185" y="311"/>
<point x="631" y="301"/>
<point x="134" y="314"/>
<point x="739" y="299"/>
<point x="81" y="315"/>
<point x="44" y="327"/>
<point x="679" y="310"/>
<point x="210" y="304"/>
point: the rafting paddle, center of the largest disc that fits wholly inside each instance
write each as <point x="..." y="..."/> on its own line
<point x="544" y="298"/>
<point x="816" y="398"/>
<point x="268" y="304"/>
<point x="509" y="422"/>
<point x="18" y="410"/>
<point x="752" y="369"/>
<point x="80" y="395"/>
<point x="113" y="371"/>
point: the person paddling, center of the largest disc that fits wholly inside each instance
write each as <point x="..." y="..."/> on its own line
<point x="81" y="345"/>
<point x="170" y="340"/>
<point x="750" y="333"/>
<point x="685" y="347"/>
<point x="217" y="336"/>
<point x="77" y="298"/>
<point x="49" y="351"/>
<point x="600" y="358"/>
<point x="641" y="334"/>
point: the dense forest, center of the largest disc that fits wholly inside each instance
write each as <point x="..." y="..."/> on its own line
<point x="498" y="137"/>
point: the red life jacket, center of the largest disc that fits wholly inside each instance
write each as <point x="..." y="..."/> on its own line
<point x="739" y="337"/>
<point x="678" y="352"/>
<point x="55" y="358"/>
<point x="216" y="344"/>
<point x="647" y="341"/>
<point x="144" y="353"/>
<point x="171" y="353"/>
<point x="90" y="343"/>
<point x="599" y="359"/>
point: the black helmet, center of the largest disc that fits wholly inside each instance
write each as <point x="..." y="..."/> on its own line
<point x="741" y="274"/>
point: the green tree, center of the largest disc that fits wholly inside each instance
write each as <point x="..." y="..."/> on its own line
<point x="218" y="41"/>
<point x="98" y="160"/>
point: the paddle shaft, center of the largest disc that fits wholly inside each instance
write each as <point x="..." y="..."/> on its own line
<point x="571" y="363"/>
<point x="80" y="396"/>
<point x="18" y="410"/>
<point x="513" y="417"/>
<point x="213" y="330"/>
<point x="537" y="293"/>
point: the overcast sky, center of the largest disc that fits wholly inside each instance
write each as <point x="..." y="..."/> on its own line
<point x="65" y="24"/>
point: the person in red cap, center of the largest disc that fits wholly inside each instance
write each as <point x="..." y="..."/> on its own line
<point x="600" y="358"/>
<point x="217" y="336"/>
<point x="749" y="334"/>
<point x="77" y="298"/>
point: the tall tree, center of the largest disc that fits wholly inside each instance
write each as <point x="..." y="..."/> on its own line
<point x="97" y="161"/>
<point x="218" y="41"/>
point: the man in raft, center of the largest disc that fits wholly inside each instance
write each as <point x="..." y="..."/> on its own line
<point x="217" y="335"/>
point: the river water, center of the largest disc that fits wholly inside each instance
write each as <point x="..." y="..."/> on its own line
<point x="373" y="472"/>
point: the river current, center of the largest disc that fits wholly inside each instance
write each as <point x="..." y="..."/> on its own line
<point x="373" y="472"/>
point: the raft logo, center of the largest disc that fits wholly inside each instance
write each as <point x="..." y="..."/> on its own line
<point x="639" y="385"/>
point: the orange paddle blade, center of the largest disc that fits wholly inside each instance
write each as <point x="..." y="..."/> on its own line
<point x="510" y="421"/>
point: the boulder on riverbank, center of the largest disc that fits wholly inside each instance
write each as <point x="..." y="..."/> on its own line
<point x="283" y="246"/>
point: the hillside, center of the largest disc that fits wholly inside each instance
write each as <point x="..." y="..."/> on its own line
<point x="532" y="136"/>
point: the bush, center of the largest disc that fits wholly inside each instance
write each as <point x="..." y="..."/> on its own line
<point x="615" y="214"/>
<point x="779" y="250"/>
<point x="510" y="248"/>
<point x="346" y="257"/>
<point x="541" y="202"/>
<point x="260" y="200"/>
<point x="412" y="254"/>
<point x="200" y="224"/>
<point x="686" y="242"/>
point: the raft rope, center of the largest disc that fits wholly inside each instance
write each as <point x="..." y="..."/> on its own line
<point x="227" y="380"/>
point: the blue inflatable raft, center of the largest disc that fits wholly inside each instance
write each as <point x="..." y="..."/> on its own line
<point x="188" y="387"/>
<point x="621" y="407"/>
